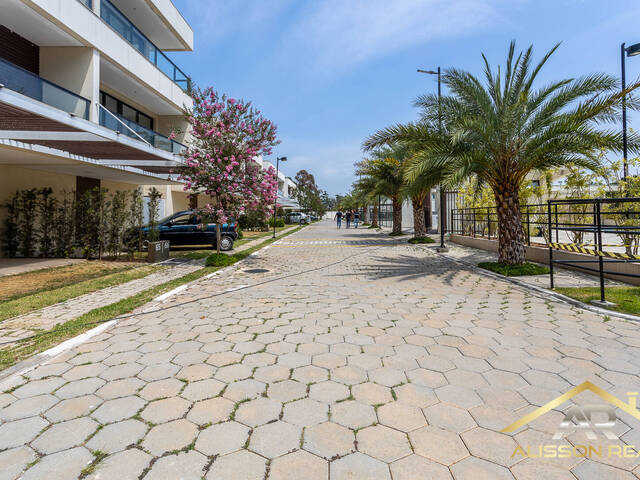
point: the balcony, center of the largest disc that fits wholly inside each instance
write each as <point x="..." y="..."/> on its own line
<point x="120" y="124"/>
<point x="26" y="83"/>
<point x="127" y="30"/>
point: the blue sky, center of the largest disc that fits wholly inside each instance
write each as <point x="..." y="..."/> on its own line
<point x="330" y="72"/>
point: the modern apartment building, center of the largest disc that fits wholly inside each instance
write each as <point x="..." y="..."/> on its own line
<point x="89" y="98"/>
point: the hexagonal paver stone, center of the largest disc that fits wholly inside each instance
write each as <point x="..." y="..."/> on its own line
<point x="372" y="393"/>
<point x="14" y="461"/>
<point x="258" y="412"/>
<point x="20" y="432"/>
<point x="401" y="416"/>
<point x="38" y="387"/>
<point x="189" y="358"/>
<point x="272" y="373"/>
<point x="359" y="466"/>
<point x="241" y="465"/>
<point x="387" y="376"/>
<point x="437" y="444"/>
<point x="202" y="389"/>
<point x="427" y="378"/>
<point x="60" y="466"/>
<point x="305" y="412"/>
<point x="184" y="465"/>
<point x="193" y="373"/>
<point x="415" y="395"/>
<point x="117" y="436"/>
<point x="383" y="443"/>
<point x="348" y="375"/>
<point x="473" y="468"/>
<point x="233" y="373"/>
<point x="460" y="396"/>
<point x="170" y="436"/>
<point x="489" y="445"/>
<point x="27" y="407"/>
<point x="73" y="408"/>
<point x="294" y="359"/>
<point x="287" y="391"/>
<point x="222" y="359"/>
<point x="127" y="465"/>
<point x="310" y="374"/>
<point x="222" y="438"/>
<point x="213" y="410"/>
<point x="161" y="411"/>
<point x="118" y="409"/>
<point x="329" y="440"/>
<point x="244" y="390"/>
<point x="353" y="414"/>
<point x="449" y="417"/>
<point x="158" y="371"/>
<point x="118" y="372"/>
<point x="78" y="388"/>
<point x="414" y="467"/>
<point x="64" y="435"/>
<point x="84" y="371"/>
<point x="47" y="371"/>
<point x="329" y="391"/>
<point x="275" y="439"/>
<point x="298" y="464"/>
<point x="329" y="360"/>
<point x="168" y="387"/>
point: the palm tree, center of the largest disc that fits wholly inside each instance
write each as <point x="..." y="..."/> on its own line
<point x="503" y="129"/>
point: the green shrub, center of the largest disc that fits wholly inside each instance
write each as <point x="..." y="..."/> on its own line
<point x="416" y="240"/>
<point x="220" y="260"/>
<point x="514" y="270"/>
<point x="279" y="222"/>
<point x="240" y="233"/>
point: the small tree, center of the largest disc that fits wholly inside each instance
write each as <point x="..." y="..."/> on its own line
<point x="154" y="204"/>
<point x="135" y="221"/>
<point x="227" y="135"/>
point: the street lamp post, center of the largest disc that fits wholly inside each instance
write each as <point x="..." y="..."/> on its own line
<point x="275" y="202"/>
<point x="443" y="205"/>
<point x="630" y="51"/>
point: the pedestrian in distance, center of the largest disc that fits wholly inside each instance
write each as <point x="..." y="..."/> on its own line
<point x="356" y="218"/>
<point x="338" y="218"/>
<point x="348" y="217"/>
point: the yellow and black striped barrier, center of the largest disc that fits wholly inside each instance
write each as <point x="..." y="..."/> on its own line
<point x="577" y="248"/>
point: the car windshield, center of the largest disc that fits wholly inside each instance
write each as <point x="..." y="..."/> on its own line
<point x="164" y="220"/>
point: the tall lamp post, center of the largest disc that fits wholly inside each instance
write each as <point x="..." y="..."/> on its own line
<point x="630" y="51"/>
<point x="275" y="202"/>
<point x="442" y="247"/>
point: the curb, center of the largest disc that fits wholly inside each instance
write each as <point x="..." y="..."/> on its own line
<point x="540" y="291"/>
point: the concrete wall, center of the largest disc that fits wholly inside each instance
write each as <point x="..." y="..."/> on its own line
<point x="541" y="255"/>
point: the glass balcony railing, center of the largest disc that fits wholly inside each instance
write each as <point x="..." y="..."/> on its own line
<point x="131" y="129"/>
<point x="87" y="3"/>
<point x="127" y="30"/>
<point x="31" y="85"/>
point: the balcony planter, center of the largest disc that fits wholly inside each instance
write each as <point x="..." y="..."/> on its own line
<point x="158" y="251"/>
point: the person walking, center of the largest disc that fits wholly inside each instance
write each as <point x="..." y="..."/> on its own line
<point x="338" y="218"/>
<point x="356" y="218"/>
<point x="348" y="217"/>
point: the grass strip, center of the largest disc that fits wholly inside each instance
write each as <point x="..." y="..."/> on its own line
<point x="626" y="299"/>
<point x="36" y="301"/>
<point x="514" y="270"/>
<point x="417" y="240"/>
<point x="46" y="339"/>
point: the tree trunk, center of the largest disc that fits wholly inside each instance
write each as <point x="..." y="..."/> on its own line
<point x="374" y="214"/>
<point x="364" y="214"/>
<point x="396" y="205"/>
<point x="427" y="211"/>
<point x="419" y="227"/>
<point x="218" y="236"/>
<point x="511" y="241"/>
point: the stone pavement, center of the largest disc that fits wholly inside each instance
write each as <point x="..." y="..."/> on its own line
<point x="331" y="354"/>
<point x="14" y="329"/>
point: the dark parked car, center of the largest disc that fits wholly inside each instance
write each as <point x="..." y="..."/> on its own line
<point x="186" y="228"/>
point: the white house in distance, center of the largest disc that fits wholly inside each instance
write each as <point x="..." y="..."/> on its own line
<point x="286" y="187"/>
<point x="88" y="98"/>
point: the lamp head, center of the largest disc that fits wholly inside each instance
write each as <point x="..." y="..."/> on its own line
<point x="430" y="72"/>
<point x="633" y="50"/>
<point x="282" y="159"/>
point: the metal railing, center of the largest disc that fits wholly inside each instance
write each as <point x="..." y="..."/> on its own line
<point x="31" y="85"/>
<point x="120" y="124"/>
<point x="127" y="30"/>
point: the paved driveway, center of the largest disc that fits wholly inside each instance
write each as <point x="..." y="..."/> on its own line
<point x="353" y="356"/>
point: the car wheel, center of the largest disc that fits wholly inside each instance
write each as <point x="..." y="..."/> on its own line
<point x="145" y="245"/>
<point x="226" y="243"/>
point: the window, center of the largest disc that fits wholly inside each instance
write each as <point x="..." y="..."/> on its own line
<point x="535" y="183"/>
<point x="182" y="220"/>
<point x="126" y="111"/>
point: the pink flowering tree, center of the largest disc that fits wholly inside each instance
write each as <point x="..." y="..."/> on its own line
<point x="227" y="135"/>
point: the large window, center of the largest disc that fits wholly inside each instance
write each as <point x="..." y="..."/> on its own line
<point x="126" y="111"/>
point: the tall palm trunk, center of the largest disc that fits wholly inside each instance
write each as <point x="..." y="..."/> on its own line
<point x="419" y="226"/>
<point x="374" y="214"/>
<point x="396" y="204"/>
<point x="364" y="214"/>
<point x="511" y="241"/>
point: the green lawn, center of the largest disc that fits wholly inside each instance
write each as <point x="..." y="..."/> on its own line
<point x="44" y="298"/>
<point x="626" y="299"/>
<point x="514" y="270"/>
